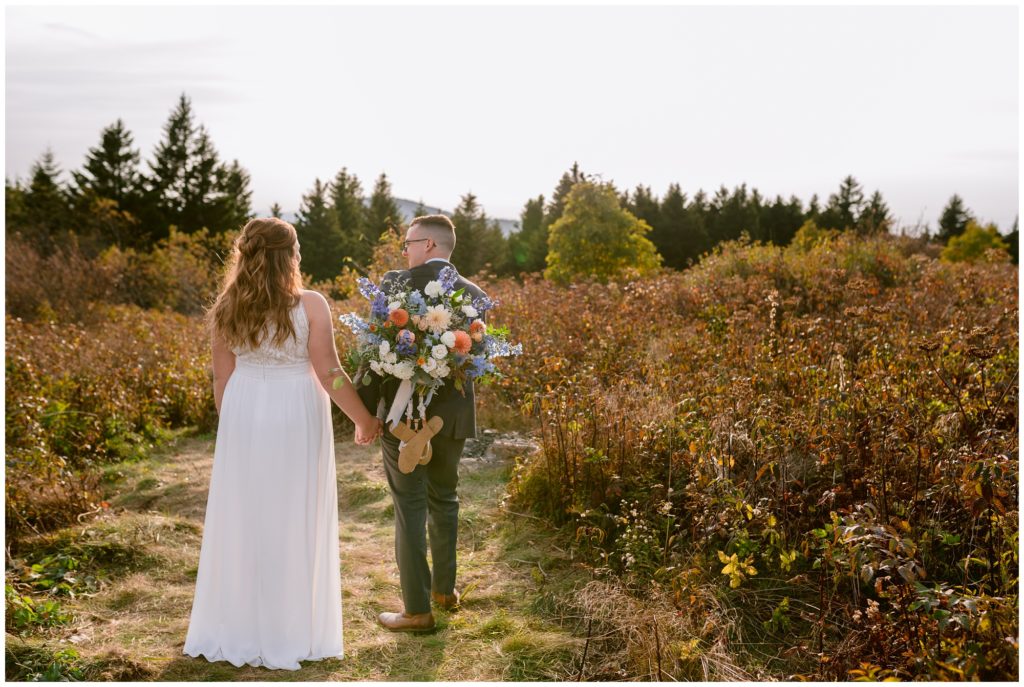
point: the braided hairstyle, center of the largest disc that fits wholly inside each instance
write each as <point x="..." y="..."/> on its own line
<point x="261" y="285"/>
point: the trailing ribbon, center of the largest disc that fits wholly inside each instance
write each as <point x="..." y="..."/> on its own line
<point x="402" y="398"/>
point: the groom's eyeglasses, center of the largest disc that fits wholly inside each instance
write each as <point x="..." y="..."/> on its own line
<point x="405" y="244"/>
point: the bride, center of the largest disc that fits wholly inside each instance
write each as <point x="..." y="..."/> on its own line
<point x="268" y="588"/>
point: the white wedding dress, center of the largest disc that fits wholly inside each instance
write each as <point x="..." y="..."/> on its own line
<point x="268" y="589"/>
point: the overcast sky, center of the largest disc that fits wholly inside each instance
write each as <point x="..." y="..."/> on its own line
<point x="918" y="102"/>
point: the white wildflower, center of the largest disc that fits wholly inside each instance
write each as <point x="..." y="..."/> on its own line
<point x="403" y="370"/>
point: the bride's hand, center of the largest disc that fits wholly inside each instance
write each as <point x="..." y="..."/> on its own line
<point x="369" y="430"/>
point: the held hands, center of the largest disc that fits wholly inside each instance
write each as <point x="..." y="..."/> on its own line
<point x="369" y="430"/>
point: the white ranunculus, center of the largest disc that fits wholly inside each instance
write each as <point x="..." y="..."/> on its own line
<point x="394" y="305"/>
<point x="448" y="339"/>
<point x="470" y="311"/>
<point x="429" y="365"/>
<point x="403" y="370"/>
<point x="384" y="349"/>
<point x="439" y="351"/>
<point x="442" y="369"/>
<point x="434" y="289"/>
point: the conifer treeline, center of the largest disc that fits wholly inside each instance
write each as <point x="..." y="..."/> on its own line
<point x="113" y="200"/>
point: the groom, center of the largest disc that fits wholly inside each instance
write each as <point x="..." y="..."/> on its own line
<point x="426" y="498"/>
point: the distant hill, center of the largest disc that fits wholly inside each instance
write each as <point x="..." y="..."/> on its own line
<point x="408" y="210"/>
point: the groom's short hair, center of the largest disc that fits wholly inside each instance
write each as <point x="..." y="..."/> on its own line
<point x="440" y="228"/>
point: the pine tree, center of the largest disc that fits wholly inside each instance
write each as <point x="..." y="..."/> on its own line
<point x="479" y="241"/>
<point x="953" y="220"/>
<point x="189" y="187"/>
<point x="780" y="220"/>
<point x="111" y="169"/>
<point x="875" y="218"/>
<point x="47" y="206"/>
<point x="1012" y="244"/>
<point x="201" y="185"/>
<point x="682" y="237"/>
<point x="320" y="239"/>
<point x="528" y="247"/>
<point x="596" y="237"/>
<point x="644" y="205"/>
<point x="732" y="214"/>
<point x="420" y="210"/>
<point x="383" y="213"/>
<point x="843" y="207"/>
<point x="275" y="211"/>
<point x="557" y="205"/>
<point x="167" y="185"/>
<point x="233" y="207"/>
<point x="350" y="214"/>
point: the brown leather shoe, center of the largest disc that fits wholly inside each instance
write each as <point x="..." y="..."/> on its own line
<point x="446" y="601"/>
<point x="403" y="622"/>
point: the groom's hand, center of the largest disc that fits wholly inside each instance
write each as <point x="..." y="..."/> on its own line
<point x="367" y="433"/>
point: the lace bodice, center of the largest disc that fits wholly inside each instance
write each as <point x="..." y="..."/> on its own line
<point x="293" y="350"/>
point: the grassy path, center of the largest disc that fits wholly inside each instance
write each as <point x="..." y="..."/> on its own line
<point x="146" y="549"/>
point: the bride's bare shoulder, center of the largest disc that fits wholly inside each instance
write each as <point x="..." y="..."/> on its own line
<point x="315" y="304"/>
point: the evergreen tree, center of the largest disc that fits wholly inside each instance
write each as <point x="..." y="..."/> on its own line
<point x="953" y="220"/>
<point x="47" y="208"/>
<point x="111" y="170"/>
<point x="350" y="214"/>
<point x="780" y="220"/>
<point x="383" y="213"/>
<point x="167" y="185"/>
<point x="843" y="207"/>
<point x="320" y="239"/>
<point x="201" y="185"/>
<point x="596" y="237"/>
<point x="275" y="211"/>
<point x="233" y="206"/>
<point x="420" y="210"/>
<point x="682" y="237"/>
<point x="814" y="208"/>
<point x="732" y="214"/>
<point x="1012" y="243"/>
<point x="644" y="205"/>
<point x="529" y="246"/>
<point x="875" y="218"/>
<point x="479" y="241"/>
<point x="189" y="187"/>
<point x="557" y="205"/>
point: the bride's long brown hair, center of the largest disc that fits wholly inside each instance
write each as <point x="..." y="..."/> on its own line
<point x="261" y="285"/>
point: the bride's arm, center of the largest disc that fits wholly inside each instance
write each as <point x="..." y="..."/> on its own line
<point x="223" y="366"/>
<point x="324" y="357"/>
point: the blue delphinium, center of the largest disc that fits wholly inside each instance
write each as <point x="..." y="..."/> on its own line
<point x="479" y="366"/>
<point x="357" y="324"/>
<point x="416" y="301"/>
<point x="483" y="304"/>
<point x="367" y="288"/>
<point x="380" y="305"/>
<point x="447" y="277"/>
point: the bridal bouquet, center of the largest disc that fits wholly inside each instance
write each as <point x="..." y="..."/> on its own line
<point x="425" y="339"/>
